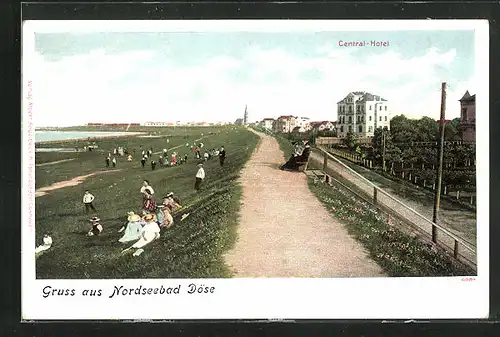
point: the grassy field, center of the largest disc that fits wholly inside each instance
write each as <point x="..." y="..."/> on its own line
<point x="399" y="254"/>
<point x="192" y="248"/>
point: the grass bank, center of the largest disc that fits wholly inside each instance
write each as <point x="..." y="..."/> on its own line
<point x="399" y="254"/>
<point x="192" y="248"/>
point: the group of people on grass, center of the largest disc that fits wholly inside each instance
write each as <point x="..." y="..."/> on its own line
<point x="145" y="228"/>
<point x="141" y="228"/>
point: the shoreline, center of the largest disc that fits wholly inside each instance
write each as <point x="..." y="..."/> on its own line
<point x="93" y="138"/>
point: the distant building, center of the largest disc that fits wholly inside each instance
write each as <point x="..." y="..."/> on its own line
<point x="467" y="123"/>
<point x="157" y="124"/>
<point x="361" y="113"/>
<point x="323" y="126"/>
<point x="285" y="124"/>
<point x="304" y="123"/>
<point x="267" y="123"/>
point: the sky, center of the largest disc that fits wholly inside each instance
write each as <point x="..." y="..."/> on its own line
<point x="180" y="76"/>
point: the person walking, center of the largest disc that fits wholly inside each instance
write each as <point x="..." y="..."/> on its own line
<point x="222" y="155"/>
<point x="200" y="175"/>
<point x="87" y="201"/>
<point x="185" y="158"/>
<point x="107" y="161"/>
<point x="114" y="162"/>
<point x="143" y="162"/>
<point x="153" y="165"/>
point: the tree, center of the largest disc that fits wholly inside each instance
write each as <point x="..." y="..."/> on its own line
<point x="350" y="140"/>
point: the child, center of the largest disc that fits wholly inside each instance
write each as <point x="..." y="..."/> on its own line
<point x="96" y="227"/>
<point x="47" y="243"/>
<point x="87" y="201"/>
<point x="200" y="175"/>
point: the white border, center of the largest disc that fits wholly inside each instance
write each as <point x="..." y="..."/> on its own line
<point x="290" y="298"/>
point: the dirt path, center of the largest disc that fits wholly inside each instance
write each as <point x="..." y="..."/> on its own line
<point x="72" y="182"/>
<point x="55" y="162"/>
<point x="285" y="231"/>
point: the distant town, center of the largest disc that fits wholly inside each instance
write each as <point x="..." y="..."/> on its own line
<point x="359" y="113"/>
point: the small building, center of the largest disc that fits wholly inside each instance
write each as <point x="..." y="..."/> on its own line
<point x="467" y="122"/>
<point x="267" y="123"/>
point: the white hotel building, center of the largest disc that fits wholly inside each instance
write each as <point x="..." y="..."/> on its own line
<point x="361" y="113"/>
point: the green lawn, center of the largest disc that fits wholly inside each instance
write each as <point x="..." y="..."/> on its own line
<point x="192" y="248"/>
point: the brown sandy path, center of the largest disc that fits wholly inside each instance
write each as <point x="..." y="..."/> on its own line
<point x="285" y="231"/>
<point x="55" y="162"/>
<point x="67" y="183"/>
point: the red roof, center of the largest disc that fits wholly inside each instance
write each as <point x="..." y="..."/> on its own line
<point x="289" y="116"/>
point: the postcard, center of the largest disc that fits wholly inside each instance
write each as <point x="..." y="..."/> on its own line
<point x="255" y="169"/>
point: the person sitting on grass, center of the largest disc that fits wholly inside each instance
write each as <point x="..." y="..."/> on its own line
<point x="47" y="243"/>
<point x="295" y="160"/>
<point x="96" y="227"/>
<point x="172" y="202"/>
<point x="150" y="232"/>
<point x="148" y="203"/>
<point x="133" y="229"/>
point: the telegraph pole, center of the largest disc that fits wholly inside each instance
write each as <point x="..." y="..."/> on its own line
<point x="437" y="197"/>
<point x="383" y="150"/>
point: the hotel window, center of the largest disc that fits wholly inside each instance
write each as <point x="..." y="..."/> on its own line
<point x="350" y="108"/>
<point x="357" y="108"/>
<point x="386" y="108"/>
<point x="370" y="129"/>
<point x="370" y="118"/>
<point x="380" y="108"/>
<point x="350" y="128"/>
<point x="380" y="119"/>
<point x="340" y="108"/>
<point x="341" y="128"/>
<point x="357" y="119"/>
<point x="464" y="114"/>
<point x="385" y="118"/>
<point x="370" y="107"/>
<point x="350" y="119"/>
<point x="360" y="129"/>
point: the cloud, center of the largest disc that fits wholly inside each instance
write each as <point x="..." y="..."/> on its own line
<point x="143" y="86"/>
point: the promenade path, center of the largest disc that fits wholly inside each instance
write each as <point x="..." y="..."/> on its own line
<point x="285" y="231"/>
<point x="461" y="216"/>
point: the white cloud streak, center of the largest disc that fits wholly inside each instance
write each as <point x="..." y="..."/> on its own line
<point x="91" y="87"/>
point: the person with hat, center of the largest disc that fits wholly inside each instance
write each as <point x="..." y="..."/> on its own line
<point x="87" y="201"/>
<point x="47" y="243"/>
<point x="150" y="232"/>
<point x="148" y="203"/>
<point x="133" y="229"/>
<point x="96" y="227"/>
<point x="222" y="156"/>
<point x="296" y="159"/>
<point x="200" y="175"/>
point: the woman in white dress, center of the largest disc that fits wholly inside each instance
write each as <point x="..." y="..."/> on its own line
<point x="150" y="232"/>
<point x="133" y="230"/>
<point x="47" y="243"/>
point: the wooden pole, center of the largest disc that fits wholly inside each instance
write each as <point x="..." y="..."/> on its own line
<point x="383" y="150"/>
<point x="439" y="178"/>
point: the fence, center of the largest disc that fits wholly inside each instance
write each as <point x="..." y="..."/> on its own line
<point x="407" y="175"/>
<point x="461" y="249"/>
